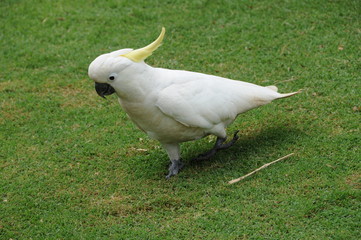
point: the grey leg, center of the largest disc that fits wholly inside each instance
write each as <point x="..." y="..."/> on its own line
<point x="220" y="145"/>
<point x="174" y="168"/>
<point x="176" y="165"/>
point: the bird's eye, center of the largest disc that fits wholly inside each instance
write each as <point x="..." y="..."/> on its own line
<point x="112" y="76"/>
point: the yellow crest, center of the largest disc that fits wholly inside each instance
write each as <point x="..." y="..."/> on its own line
<point x="140" y="54"/>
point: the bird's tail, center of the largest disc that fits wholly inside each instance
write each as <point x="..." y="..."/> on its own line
<point x="272" y="87"/>
<point x="283" y="95"/>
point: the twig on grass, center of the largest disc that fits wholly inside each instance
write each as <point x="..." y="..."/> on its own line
<point x="264" y="166"/>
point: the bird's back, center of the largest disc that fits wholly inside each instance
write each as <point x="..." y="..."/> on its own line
<point x="197" y="99"/>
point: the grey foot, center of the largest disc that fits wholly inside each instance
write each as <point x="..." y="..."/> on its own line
<point x="174" y="168"/>
<point x="220" y="145"/>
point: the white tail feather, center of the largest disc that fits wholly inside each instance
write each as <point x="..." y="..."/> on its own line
<point x="274" y="88"/>
<point x="284" y="95"/>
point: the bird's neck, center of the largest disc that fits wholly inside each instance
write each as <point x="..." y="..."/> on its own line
<point x="137" y="87"/>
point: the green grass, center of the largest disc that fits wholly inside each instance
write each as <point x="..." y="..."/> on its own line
<point x="71" y="167"/>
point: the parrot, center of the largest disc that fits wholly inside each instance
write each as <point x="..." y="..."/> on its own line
<point x="176" y="106"/>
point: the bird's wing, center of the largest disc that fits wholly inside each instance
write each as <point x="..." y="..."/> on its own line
<point x="207" y="102"/>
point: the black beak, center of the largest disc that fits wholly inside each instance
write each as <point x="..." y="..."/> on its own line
<point x="104" y="89"/>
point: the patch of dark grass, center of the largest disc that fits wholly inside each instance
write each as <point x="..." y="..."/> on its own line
<point x="73" y="166"/>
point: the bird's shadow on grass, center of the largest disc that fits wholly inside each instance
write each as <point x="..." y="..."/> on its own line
<point x="264" y="141"/>
<point x="243" y="154"/>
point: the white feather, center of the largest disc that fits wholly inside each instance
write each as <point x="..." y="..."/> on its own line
<point x="173" y="106"/>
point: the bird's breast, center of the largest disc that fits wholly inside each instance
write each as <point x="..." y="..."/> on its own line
<point x="150" y="119"/>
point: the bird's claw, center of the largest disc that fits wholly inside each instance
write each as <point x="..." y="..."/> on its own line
<point x="230" y="143"/>
<point x="206" y="155"/>
<point x="174" y="168"/>
<point x="220" y="145"/>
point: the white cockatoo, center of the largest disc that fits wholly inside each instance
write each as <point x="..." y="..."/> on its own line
<point x="175" y="106"/>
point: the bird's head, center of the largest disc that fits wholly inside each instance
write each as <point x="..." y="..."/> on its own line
<point x="111" y="69"/>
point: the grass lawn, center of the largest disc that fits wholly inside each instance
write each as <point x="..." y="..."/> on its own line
<point x="73" y="166"/>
